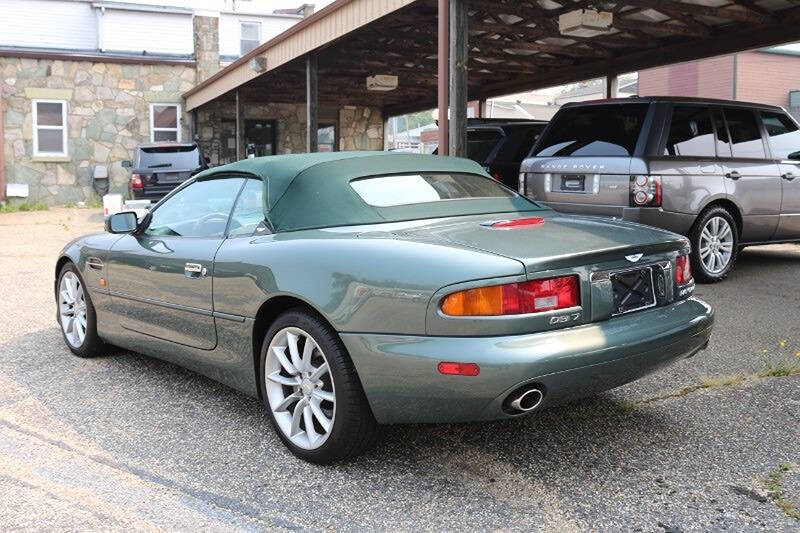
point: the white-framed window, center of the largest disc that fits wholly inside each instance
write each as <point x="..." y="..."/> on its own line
<point x="165" y="122"/>
<point x="50" y="127"/>
<point x="251" y="36"/>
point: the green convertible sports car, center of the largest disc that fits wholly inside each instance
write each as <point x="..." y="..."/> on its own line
<point x="352" y="289"/>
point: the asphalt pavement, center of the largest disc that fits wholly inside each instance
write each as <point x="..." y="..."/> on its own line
<point x="126" y="442"/>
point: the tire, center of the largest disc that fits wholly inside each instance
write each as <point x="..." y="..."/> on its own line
<point x="715" y="245"/>
<point x="297" y="380"/>
<point x="90" y="344"/>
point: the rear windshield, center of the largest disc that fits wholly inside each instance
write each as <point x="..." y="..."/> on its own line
<point x="480" y="143"/>
<point x="597" y="130"/>
<point x="175" y="157"/>
<point x="406" y="189"/>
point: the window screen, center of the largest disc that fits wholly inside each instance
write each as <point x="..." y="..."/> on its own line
<point x="691" y="133"/>
<point x="595" y="130"/>
<point x="745" y="133"/>
<point x="165" y="122"/>
<point x="251" y="36"/>
<point x="784" y="136"/>
<point x="51" y="129"/>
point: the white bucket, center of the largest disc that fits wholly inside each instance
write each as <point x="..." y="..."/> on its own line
<point x="112" y="204"/>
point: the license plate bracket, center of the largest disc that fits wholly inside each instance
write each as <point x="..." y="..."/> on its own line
<point x="573" y="182"/>
<point x="633" y="290"/>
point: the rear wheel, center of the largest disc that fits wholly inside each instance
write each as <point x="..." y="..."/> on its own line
<point x="76" y="314"/>
<point x="312" y="392"/>
<point x="715" y="245"/>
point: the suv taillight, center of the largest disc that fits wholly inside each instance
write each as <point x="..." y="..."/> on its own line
<point x="683" y="270"/>
<point x="136" y="181"/>
<point x="645" y="191"/>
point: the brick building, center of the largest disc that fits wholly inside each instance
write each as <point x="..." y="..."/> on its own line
<point x="770" y="76"/>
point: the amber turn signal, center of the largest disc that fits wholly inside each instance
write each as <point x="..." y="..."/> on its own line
<point x="515" y="298"/>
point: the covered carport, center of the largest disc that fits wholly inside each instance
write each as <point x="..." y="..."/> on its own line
<point x="445" y="53"/>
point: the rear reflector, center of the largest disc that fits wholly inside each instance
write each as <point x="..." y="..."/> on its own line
<point x="515" y="298"/>
<point x="459" y="369"/>
<point x="518" y="222"/>
<point x="683" y="270"/>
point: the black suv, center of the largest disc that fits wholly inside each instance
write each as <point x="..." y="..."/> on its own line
<point x="158" y="168"/>
<point x="500" y="145"/>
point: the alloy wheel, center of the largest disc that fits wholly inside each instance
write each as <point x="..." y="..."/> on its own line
<point x="716" y="245"/>
<point x="72" y="309"/>
<point x="300" y="388"/>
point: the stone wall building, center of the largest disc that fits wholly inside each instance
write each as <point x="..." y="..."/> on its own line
<point x="108" y="108"/>
<point x="96" y="79"/>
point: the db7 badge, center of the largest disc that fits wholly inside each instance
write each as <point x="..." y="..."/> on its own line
<point x="563" y="319"/>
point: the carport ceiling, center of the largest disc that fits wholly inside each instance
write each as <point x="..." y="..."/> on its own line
<point x="516" y="45"/>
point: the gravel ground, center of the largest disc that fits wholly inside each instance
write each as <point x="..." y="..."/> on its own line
<point x="128" y="442"/>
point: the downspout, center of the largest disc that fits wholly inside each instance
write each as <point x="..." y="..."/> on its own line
<point x="2" y="152"/>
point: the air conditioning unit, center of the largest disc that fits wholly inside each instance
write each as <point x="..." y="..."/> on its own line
<point x="585" y="23"/>
<point x="381" y="82"/>
<point x="258" y="64"/>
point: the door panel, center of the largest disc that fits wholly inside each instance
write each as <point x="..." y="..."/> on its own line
<point x="789" y="225"/>
<point x="688" y="166"/>
<point x="152" y="290"/>
<point x="752" y="179"/>
<point x="757" y="190"/>
<point x="160" y="278"/>
<point x="784" y="141"/>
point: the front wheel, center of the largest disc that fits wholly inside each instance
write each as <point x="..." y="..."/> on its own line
<point x="76" y="314"/>
<point x="715" y="245"/>
<point x="312" y="392"/>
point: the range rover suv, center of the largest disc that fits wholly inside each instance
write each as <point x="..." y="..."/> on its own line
<point x="725" y="174"/>
<point x="158" y="168"/>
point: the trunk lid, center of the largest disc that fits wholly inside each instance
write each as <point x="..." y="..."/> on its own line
<point x="562" y="241"/>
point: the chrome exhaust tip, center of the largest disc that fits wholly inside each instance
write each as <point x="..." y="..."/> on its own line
<point x="525" y="400"/>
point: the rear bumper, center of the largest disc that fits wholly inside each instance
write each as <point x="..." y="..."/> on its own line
<point x="651" y="216"/>
<point x="153" y="192"/>
<point x="400" y="378"/>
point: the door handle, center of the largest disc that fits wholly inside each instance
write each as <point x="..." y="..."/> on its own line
<point x="788" y="176"/>
<point x="194" y="270"/>
<point x="733" y="175"/>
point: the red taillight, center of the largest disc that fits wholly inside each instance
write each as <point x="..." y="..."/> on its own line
<point x="645" y="191"/>
<point x="518" y="222"/>
<point x="459" y="369"/>
<point x="136" y="181"/>
<point x="683" y="270"/>
<point x="515" y="298"/>
<point x="496" y="175"/>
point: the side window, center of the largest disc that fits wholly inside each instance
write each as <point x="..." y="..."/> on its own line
<point x="249" y="210"/>
<point x="723" y="141"/>
<point x="199" y="210"/>
<point x="745" y="134"/>
<point x="691" y="133"/>
<point x="784" y="136"/>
